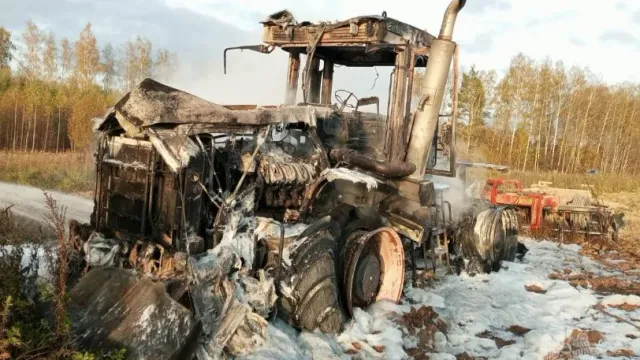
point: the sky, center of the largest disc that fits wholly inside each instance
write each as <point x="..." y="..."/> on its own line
<point x="601" y="35"/>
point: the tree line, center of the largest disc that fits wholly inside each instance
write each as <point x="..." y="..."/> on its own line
<point x="543" y="116"/>
<point x="538" y="116"/>
<point x="50" y="90"/>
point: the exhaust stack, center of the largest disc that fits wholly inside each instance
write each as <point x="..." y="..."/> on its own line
<point x="432" y="92"/>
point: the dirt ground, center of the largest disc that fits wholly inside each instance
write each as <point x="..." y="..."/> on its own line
<point x="629" y="203"/>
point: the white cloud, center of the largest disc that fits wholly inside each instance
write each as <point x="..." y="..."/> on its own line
<point x="490" y="32"/>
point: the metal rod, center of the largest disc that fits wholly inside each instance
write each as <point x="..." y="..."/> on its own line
<point x="293" y="75"/>
<point x="449" y="208"/>
<point x="145" y="202"/>
<point x="327" y="82"/>
<point x="153" y="183"/>
<point x="315" y="81"/>
<point x="454" y="111"/>
<point x="263" y="49"/>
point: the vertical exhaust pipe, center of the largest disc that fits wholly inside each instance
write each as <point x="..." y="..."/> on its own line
<point x="449" y="20"/>
<point x="432" y="92"/>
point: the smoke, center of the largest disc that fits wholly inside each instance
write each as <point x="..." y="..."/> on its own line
<point x="255" y="78"/>
<point x="455" y="194"/>
<point x="468" y="182"/>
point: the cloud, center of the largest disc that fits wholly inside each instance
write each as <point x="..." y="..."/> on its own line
<point x="481" y="7"/>
<point x="198" y="30"/>
<point x="246" y="14"/>
<point x="553" y="18"/>
<point x="576" y="41"/>
<point x="619" y="37"/>
<point x="116" y="21"/>
<point x="481" y="43"/>
<point x="635" y="17"/>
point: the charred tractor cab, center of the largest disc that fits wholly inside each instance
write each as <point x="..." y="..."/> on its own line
<point x="330" y="204"/>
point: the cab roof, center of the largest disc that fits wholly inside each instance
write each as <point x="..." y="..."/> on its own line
<point x="360" y="41"/>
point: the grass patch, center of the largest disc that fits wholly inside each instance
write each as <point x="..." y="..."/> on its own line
<point x="35" y="273"/>
<point x="67" y="172"/>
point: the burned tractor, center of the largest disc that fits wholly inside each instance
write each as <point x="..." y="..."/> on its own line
<point x="329" y="205"/>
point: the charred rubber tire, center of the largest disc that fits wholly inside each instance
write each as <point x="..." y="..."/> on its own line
<point x="489" y="240"/>
<point x="350" y="246"/>
<point x="309" y="291"/>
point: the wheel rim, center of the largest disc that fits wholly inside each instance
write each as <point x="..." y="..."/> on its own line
<point x="374" y="267"/>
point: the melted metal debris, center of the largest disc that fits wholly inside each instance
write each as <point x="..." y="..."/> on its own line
<point x="500" y="168"/>
<point x="260" y="293"/>
<point x="239" y="230"/>
<point x="100" y="251"/>
<point x="350" y="175"/>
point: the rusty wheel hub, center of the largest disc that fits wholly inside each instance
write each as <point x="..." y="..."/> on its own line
<point x="373" y="267"/>
<point x="367" y="278"/>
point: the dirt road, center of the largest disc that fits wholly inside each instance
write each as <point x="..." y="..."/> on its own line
<point x="29" y="202"/>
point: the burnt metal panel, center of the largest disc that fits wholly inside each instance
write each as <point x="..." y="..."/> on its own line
<point x="124" y="168"/>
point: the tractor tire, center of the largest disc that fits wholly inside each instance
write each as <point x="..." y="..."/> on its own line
<point x="345" y="260"/>
<point x="489" y="240"/>
<point x="309" y="290"/>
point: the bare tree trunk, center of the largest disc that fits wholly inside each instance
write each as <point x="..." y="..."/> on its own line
<point x="22" y="136"/>
<point x="35" y="123"/>
<point x="58" y="136"/>
<point x="584" y="127"/>
<point x="606" y="148"/>
<point x="539" y="141"/>
<point x="557" y="130"/>
<point x="46" y="132"/>
<point x="604" y="125"/>
<point x="533" y="110"/>
<point x="526" y="152"/>
<point x="503" y="135"/>
<point x="618" y="142"/>
<point x="500" y="145"/>
<point x="472" y="110"/>
<point x="513" y="136"/>
<point x="548" y="132"/>
<point x="625" y="163"/>
<point x="562" y="158"/>
<point x="15" y="123"/>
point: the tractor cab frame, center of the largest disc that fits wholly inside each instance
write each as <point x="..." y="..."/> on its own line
<point x="367" y="41"/>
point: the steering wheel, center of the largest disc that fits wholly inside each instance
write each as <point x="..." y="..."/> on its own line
<point x="344" y="102"/>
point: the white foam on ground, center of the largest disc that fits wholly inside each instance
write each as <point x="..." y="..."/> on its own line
<point x="471" y="305"/>
<point x="614" y="300"/>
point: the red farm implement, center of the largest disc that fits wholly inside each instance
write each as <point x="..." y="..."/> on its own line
<point x="545" y="209"/>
